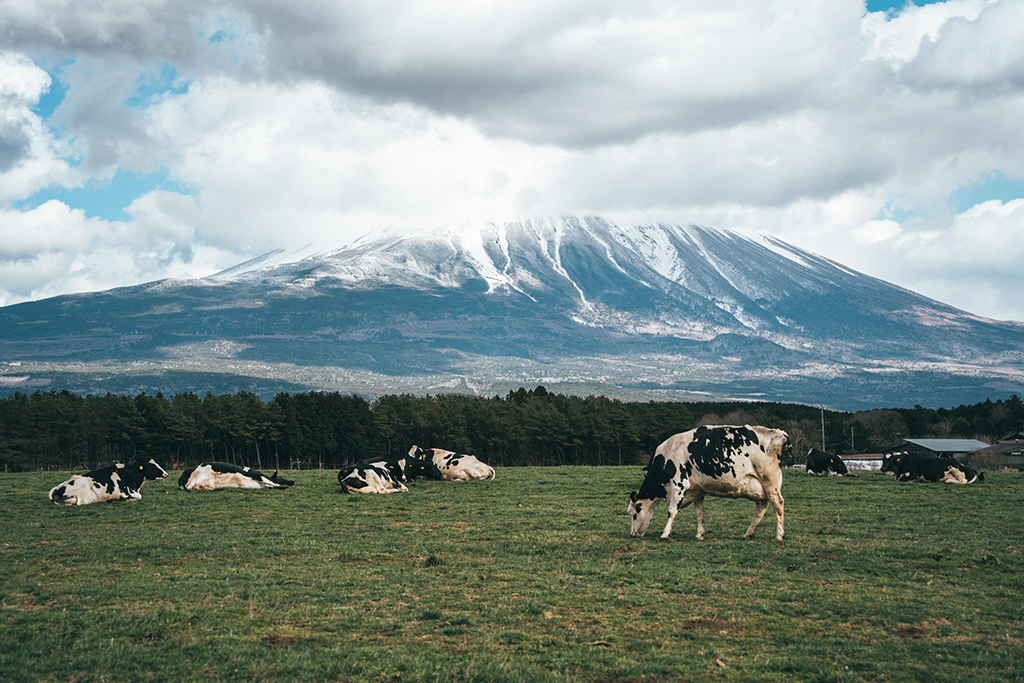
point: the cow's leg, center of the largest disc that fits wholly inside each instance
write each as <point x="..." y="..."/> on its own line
<point x="778" y="503"/>
<point x="675" y="504"/>
<point x="760" y="507"/>
<point x="698" y="506"/>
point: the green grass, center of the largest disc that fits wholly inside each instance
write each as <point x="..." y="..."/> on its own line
<point x="530" y="577"/>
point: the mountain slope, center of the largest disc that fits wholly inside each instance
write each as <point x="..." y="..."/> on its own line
<point x="579" y="304"/>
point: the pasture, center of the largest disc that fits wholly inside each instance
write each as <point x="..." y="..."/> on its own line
<point x="530" y="577"/>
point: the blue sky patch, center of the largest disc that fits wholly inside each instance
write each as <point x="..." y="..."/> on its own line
<point x="52" y="98"/>
<point x="150" y="86"/>
<point x="995" y="186"/>
<point x="107" y="199"/>
<point x="886" y="5"/>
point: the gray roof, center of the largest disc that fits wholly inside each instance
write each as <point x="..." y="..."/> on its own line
<point x="949" y="445"/>
<point x="1008" y="448"/>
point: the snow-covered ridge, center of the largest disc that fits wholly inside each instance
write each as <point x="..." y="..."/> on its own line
<point x="685" y="279"/>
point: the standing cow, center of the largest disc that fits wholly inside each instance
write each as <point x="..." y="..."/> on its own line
<point x="820" y="462"/>
<point x="455" y="466"/>
<point x="114" y="482"/>
<point x="728" y="461"/>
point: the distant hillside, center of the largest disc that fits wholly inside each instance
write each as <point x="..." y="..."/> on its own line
<point x="580" y="305"/>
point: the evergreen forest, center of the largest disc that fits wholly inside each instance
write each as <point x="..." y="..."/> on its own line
<point x="67" y="431"/>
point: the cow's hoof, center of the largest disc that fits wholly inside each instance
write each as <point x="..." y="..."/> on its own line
<point x="699" y="537"/>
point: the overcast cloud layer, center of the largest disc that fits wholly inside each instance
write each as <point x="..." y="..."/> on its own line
<point x="891" y="142"/>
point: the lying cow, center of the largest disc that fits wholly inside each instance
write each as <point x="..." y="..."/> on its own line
<point x="214" y="476"/>
<point x="908" y="467"/>
<point x="404" y="469"/>
<point x="370" y="478"/>
<point x="455" y="466"/>
<point x="729" y="461"/>
<point x="822" y="463"/>
<point x="114" y="482"/>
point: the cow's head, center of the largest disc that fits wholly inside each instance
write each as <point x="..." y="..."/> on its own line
<point x="417" y="452"/>
<point x="422" y="467"/>
<point x="838" y="466"/>
<point x="151" y="471"/>
<point x="889" y="461"/>
<point x="397" y="470"/>
<point x="280" y="481"/>
<point x="640" y="511"/>
<point x="660" y="472"/>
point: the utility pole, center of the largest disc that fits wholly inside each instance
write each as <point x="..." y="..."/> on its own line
<point x="822" y="426"/>
<point x="853" y="445"/>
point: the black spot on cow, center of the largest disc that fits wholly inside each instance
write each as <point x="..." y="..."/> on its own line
<point x="712" y="450"/>
<point x="659" y="472"/>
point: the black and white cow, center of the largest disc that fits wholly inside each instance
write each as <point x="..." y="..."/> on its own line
<point x="455" y="466"/>
<point x="214" y="476"/>
<point x="908" y="467"/>
<point x="728" y="461"/>
<point x="404" y="469"/>
<point x="370" y="478"/>
<point x="820" y="462"/>
<point x="114" y="482"/>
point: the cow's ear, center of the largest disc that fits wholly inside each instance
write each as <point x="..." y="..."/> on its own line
<point x="632" y="496"/>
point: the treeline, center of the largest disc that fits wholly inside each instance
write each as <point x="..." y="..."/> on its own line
<point x="62" y="430"/>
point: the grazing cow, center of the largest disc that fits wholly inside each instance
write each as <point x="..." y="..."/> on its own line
<point x="114" y="482"/>
<point x="728" y="461"/>
<point x="404" y="469"/>
<point x="455" y="466"/>
<point x="820" y="462"/>
<point x="370" y="478"/>
<point x="930" y="468"/>
<point x="213" y="476"/>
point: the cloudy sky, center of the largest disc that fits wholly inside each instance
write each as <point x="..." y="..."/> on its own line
<point x="142" y="139"/>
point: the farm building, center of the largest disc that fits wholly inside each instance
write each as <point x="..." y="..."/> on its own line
<point x="863" y="461"/>
<point x="1009" y="452"/>
<point x="950" y="448"/>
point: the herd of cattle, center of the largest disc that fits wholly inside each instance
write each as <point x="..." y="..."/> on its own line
<point x="726" y="461"/>
<point x="386" y="475"/>
<point x="905" y="467"/>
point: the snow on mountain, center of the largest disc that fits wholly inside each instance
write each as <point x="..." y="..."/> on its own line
<point x="575" y="301"/>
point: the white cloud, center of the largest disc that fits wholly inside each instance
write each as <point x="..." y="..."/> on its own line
<point x="319" y="121"/>
<point x="29" y="159"/>
<point x="897" y="37"/>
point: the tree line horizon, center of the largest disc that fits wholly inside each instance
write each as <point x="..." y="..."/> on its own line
<point x="65" y="430"/>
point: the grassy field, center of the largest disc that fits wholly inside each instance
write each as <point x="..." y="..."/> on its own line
<point x="530" y="577"/>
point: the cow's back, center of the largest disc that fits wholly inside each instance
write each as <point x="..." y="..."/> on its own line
<point x="728" y="460"/>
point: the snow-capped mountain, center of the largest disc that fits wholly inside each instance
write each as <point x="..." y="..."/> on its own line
<point x="578" y="303"/>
